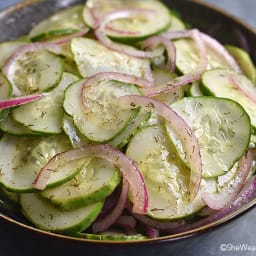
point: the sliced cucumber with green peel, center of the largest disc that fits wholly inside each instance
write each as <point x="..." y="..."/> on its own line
<point x="111" y="236"/>
<point x="165" y="176"/>
<point x="162" y="76"/>
<point x="45" y="115"/>
<point x="5" y="92"/>
<point x="224" y="180"/>
<point x="102" y="120"/>
<point x="195" y="89"/>
<point x="48" y="217"/>
<point x="70" y="66"/>
<point x="61" y="23"/>
<point x="244" y="61"/>
<point x="91" y="57"/>
<point x="176" y="22"/>
<point x="132" y="127"/>
<point x="253" y="141"/>
<point x="11" y="197"/>
<point x="76" y="138"/>
<point x="188" y="57"/>
<point x="94" y="183"/>
<point x="11" y="126"/>
<point x="35" y="72"/>
<point x="139" y="27"/>
<point x="222" y="127"/>
<point x="220" y="83"/>
<point x="22" y="158"/>
<point x="7" y="49"/>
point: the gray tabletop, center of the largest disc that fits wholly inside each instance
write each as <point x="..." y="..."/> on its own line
<point x="236" y="238"/>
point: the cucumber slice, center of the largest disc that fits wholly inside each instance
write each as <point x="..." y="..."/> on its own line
<point x="45" y="115"/>
<point x="222" y="128"/>
<point x="76" y="138"/>
<point x="5" y="92"/>
<point x="195" y="89"/>
<point x="111" y="236"/>
<point x="133" y="126"/>
<point x="36" y="72"/>
<point x="188" y="57"/>
<point x="165" y="176"/>
<point x="244" y="61"/>
<point x="218" y="83"/>
<point x="47" y="217"/>
<point x="8" y="196"/>
<point x="176" y="22"/>
<point x="70" y="66"/>
<point x="22" y="158"/>
<point x="103" y="120"/>
<point x="7" y="49"/>
<point x="91" y="57"/>
<point x="94" y="183"/>
<point x="162" y="76"/>
<point x="142" y="27"/>
<point x="224" y="180"/>
<point x="10" y="126"/>
<point x="61" y="23"/>
<point x="253" y="141"/>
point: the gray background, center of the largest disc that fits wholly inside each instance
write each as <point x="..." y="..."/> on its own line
<point x="242" y="231"/>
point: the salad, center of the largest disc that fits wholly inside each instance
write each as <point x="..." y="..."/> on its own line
<point x="118" y="127"/>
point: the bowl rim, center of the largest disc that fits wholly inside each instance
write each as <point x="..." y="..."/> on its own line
<point x="229" y="15"/>
<point x="167" y="238"/>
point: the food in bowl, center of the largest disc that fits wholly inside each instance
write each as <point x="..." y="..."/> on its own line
<point x="119" y="127"/>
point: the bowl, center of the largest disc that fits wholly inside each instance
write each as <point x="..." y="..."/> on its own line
<point x="18" y="20"/>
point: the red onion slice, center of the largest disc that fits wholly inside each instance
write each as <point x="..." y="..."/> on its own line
<point x="156" y="224"/>
<point x="171" y="86"/>
<point x="210" y="42"/>
<point x="165" y="226"/>
<point x="182" y="130"/>
<point x="155" y="41"/>
<point x="8" y="70"/>
<point x="196" y="35"/>
<point x="13" y="102"/>
<point x="249" y="94"/>
<point x="178" y="82"/>
<point x="129" y="170"/>
<point x="100" y="31"/>
<point x="103" y="224"/>
<point x="221" y="51"/>
<point x="96" y="19"/>
<point x="151" y="232"/>
<point x="176" y="34"/>
<point x="224" y="197"/>
<point x="127" y="222"/>
<point x="245" y="195"/>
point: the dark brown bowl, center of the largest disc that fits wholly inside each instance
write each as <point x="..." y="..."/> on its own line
<point x="20" y="238"/>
